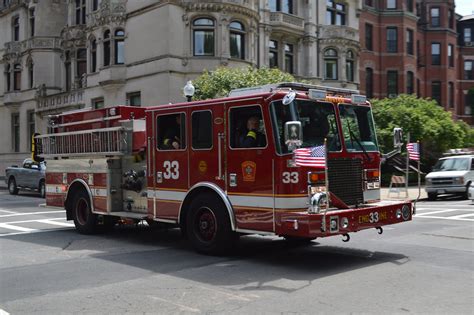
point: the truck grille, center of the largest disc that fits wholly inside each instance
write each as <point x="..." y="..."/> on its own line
<point x="345" y="180"/>
<point x="442" y="181"/>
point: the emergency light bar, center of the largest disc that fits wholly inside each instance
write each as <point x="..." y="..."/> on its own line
<point x="358" y="99"/>
<point x="317" y="94"/>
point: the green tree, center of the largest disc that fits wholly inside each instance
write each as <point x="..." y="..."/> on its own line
<point x="218" y="83"/>
<point x="426" y="122"/>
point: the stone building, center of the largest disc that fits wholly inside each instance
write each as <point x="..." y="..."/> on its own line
<point x="58" y="55"/>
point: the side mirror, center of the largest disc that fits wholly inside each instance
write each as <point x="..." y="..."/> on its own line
<point x="293" y="134"/>
<point x="397" y="137"/>
<point x="35" y="167"/>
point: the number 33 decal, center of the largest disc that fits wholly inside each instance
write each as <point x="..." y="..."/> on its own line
<point x="290" y="177"/>
<point x="171" y="169"/>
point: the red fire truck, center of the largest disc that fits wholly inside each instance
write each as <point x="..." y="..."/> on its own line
<point x="224" y="167"/>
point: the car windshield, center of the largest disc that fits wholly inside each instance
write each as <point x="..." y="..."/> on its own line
<point x="318" y="121"/>
<point x="358" y="128"/>
<point x="452" y="165"/>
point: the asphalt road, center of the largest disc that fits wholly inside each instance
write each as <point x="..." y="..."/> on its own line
<point x="425" y="266"/>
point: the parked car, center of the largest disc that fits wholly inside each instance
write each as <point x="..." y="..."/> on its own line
<point x="470" y="192"/>
<point x="450" y="175"/>
<point x="29" y="177"/>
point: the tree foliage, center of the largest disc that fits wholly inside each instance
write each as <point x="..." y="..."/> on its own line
<point x="218" y="83"/>
<point x="425" y="120"/>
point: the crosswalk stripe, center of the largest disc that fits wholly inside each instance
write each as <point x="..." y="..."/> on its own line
<point x="30" y="213"/>
<point x="35" y="231"/>
<point x="433" y="212"/>
<point x="52" y="222"/>
<point x="16" y="228"/>
<point x="463" y="216"/>
<point x="444" y="218"/>
<point x="6" y="211"/>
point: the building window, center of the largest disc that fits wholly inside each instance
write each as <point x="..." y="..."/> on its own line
<point x="16" y="28"/>
<point x="273" y="54"/>
<point x="350" y="61"/>
<point x="410" y="5"/>
<point x="8" y="77"/>
<point x="107" y="48"/>
<point x="80" y="12"/>
<point x="436" y="54"/>
<point x="93" y="55"/>
<point x="67" y="66"/>
<point x="134" y="99"/>
<point x="368" y="36"/>
<point x="436" y="91"/>
<point x="95" y="5"/>
<point x="30" y="74"/>
<point x="392" y="83"/>
<point x="16" y="132"/>
<point x="451" y="19"/>
<point x="97" y="103"/>
<point x="203" y="35"/>
<point x="171" y="132"/>
<point x="410" y="82"/>
<point x="392" y="39"/>
<point x="289" y="62"/>
<point x="467" y="35"/>
<point x="201" y="130"/>
<point x="330" y="64"/>
<point x="335" y="13"/>
<point x="410" y="42"/>
<point x="468" y="70"/>
<point x="237" y="40"/>
<point x="451" y="94"/>
<point x="285" y="6"/>
<point x="369" y="3"/>
<point x="17" y="77"/>
<point x="418" y="88"/>
<point x="451" y="55"/>
<point x="81" y="63"/>
<point x="119" y="46"/>
<point x="391" y="4"/>
<point x="369" y="82"/>
<point x="435" y="20"/>
<point x="32" y="21"/>
<point x="31" y="125"/>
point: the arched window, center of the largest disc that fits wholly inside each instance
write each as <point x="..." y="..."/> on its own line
<point x="81" y="63"/>
<point x="16" y="28"/>
<point x="8" y="77"/>
<point x="119" y="47"/>
<point x="350" y="62"/>
<point x="17" y="77"/>
<point x="80" y="12"/>
<point x="93" y="52"/>
<point x="95" y="5"/>
<point x="237" y="40"/>
<point x="330" y="64"/>
<point x="107" y="48"/>
<point x="203" y="37"/>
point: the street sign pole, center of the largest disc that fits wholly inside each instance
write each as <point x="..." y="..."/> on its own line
<point x="408" y="167"/>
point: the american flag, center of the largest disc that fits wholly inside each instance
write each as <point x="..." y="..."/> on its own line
<point x="313" y="157"/>
<point x="413" y="151"/>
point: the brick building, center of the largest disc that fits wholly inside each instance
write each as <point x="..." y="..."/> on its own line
<point x="411" y="46"/>
<point x="465" y="64"/>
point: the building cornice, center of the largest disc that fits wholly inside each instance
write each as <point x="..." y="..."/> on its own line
<point x="236" y="7"/>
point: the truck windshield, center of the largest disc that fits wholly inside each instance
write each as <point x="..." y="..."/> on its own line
<point x="318" y="121"/>
<point x="358" y="128"/>
<point x="452" y="165"/>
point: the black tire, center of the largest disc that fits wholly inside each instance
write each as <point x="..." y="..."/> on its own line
<point x="42" y="189"/>
<point x="432" y="196"/>
<point x="208" y="225"/>
<point x="12" y="188"/>
<point x="465" y="195"/>
<point x="84" y="220"/>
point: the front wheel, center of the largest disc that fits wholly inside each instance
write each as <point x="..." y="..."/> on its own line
<point x="12" y="188"/>
<point x="84" y="220"/>
<point x="208" y="225"/>
<point x="42" y="189"/>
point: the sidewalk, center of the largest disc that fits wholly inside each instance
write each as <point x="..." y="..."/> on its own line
<point x="400" y="193"/>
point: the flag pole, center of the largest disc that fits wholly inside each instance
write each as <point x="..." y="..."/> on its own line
<point x="408" y="167"/>
<point x="419" y="176"/>
<point x="326" y="181"/>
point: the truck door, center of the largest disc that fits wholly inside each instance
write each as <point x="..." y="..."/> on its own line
<point x="171" y="162"/>
<point x="207" y="152"/>
<point x="250" y="167"/>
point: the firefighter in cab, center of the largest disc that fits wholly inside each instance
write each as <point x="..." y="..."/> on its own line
<point x="252" y="137"/>
<point x="172" y="139"/>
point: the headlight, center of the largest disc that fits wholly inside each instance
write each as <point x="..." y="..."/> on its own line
<point x="458" y="180"/>
<point x="344" y="223"/>
<point x="428" y="181"/>
<point x="399" y="213"/>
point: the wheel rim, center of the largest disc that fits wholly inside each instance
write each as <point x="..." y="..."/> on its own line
<point x="205" y="225"/>
<point x="42" y="190"/>
<point x="11" y="186"/>
<point x="82" y="211"/>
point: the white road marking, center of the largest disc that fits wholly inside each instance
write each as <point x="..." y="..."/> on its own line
<point x="35" y="231"/>
<point x="16" y="228"/>
<point x="461" y="216"/>
<point x="30" y="213"/>
<point x="6" y="211"/>
<point x="2" y="312"/>
<point x="435" y="212"/>
<point x="444" y="218"/>
<point x="51" y="221"/>
<point x="181" y="307"/>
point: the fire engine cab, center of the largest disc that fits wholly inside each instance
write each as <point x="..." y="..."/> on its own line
<point x="224" y="167"/>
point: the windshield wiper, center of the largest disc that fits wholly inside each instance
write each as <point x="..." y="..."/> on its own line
<point x="353" y="136"/>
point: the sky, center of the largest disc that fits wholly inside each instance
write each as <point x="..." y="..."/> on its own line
<point x="464" y="7"/>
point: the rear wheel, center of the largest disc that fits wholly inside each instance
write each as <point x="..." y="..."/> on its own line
<point x="12" y="188"/>
<point x="208" y="225"/>
<point x="84" y="220"/>
<point x="432" y="196"/>
<point x="42" y="189"/>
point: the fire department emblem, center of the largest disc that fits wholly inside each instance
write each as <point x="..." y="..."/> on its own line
<point x="202" y="167"/>
<point x="249" y="169"/>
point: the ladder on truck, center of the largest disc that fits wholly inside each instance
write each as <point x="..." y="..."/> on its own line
<point x="107" y="141"/>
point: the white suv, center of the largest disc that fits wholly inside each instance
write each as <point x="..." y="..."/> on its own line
<point x="451" y="175"/>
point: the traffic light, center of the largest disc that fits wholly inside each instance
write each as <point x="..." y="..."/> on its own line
<point x="36" y="148"/>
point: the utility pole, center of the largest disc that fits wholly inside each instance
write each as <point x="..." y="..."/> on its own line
<point x="408" y="166"/>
